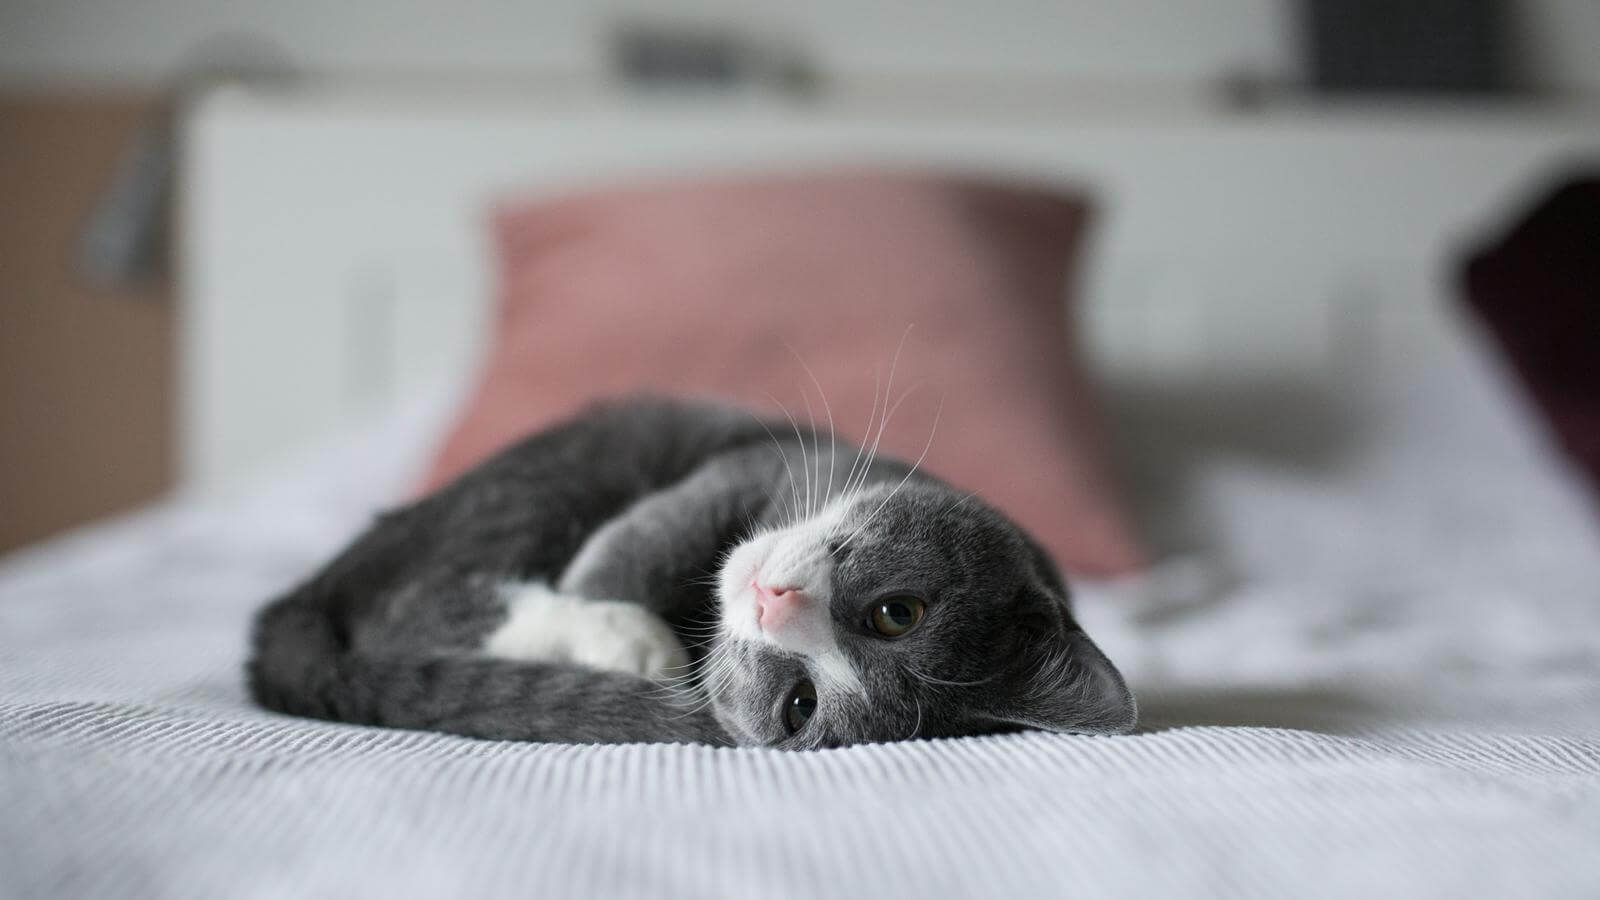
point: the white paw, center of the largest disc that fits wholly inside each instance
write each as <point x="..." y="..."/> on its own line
<point x="603" y="634"/>
<point x="626" y="637"/>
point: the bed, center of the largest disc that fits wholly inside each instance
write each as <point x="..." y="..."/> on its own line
<point x="1368" y="659"/>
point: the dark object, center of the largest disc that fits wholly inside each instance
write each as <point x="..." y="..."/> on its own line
<point x="125" y="239"/>
<point x="679" y="55"/>
<point x="649" y="55"/>
<point x="1415" y="46"/>
<point x="1538" y="290"/>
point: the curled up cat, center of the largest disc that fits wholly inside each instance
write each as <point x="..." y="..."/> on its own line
<point x="658" y="570"/>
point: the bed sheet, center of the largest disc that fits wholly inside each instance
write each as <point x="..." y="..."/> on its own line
<point x="1369" y="670"/>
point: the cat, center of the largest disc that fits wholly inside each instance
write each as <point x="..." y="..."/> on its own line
<point x="657" y="570"/>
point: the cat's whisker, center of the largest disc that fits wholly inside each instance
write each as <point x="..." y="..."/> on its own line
<point x="913" y="470"/>
<point x="700" y="704"/>
<point x="697" y="625"/>
<point x="709" y="582"/>
<point x="914" y="466"/>
<point x="701" y="628"/>
<point x="929" y="679"/>
<point x="833" y="443"/>
<point x="710" y="689"/>
<point x="917" y="728"/>
<point x="678" y="685"/>
<point x="748" y="521"/>
<point x="793" y="492"/>
<point x="816" y="456"/>
<point x="965" y="498"/>
<point x="687" y="665"/>
<point x="868" y="447"/>
<point x="861" y="487"/>
<point x="671" y="686"/>
<point x="872" y="417"/>
<point x="801" y="441"/>
<point x="883" y="423"/>
<point x="666" y="687"/>
<point x="806" y="465"/>
<point x="721" y="671"/>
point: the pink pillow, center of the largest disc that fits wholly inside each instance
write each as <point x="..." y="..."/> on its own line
<point x="718" y="288"/>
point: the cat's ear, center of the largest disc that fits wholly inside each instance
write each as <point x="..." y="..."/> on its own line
<point x="1067" y="685"/>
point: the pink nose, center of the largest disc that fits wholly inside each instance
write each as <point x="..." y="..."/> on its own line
<point x="776" y="605"/>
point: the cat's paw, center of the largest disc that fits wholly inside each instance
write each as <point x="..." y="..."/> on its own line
<point x="548" y="625"/>
<point x="625" y="637"/>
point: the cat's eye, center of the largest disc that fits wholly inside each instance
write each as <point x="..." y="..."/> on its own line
<point x="895" y="615"/>
<point x="799" y="706"/>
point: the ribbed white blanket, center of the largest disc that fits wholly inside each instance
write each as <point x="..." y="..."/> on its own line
<point x="1378" y="676"/>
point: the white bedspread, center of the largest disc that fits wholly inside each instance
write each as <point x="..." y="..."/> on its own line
<point x="1374" y="670"/>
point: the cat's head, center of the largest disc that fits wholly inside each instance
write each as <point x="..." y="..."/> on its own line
<point x="901" y="613"/>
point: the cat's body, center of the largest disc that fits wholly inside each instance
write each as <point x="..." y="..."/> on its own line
<point x="662" y="571"/>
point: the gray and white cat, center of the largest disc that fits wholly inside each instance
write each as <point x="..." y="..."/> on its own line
<point x="655" y="570"/>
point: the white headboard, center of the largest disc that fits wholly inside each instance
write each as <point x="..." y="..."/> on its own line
<point x="334" y="258"/>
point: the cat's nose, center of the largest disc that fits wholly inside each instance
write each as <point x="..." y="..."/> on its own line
<point x="776" y="605"/>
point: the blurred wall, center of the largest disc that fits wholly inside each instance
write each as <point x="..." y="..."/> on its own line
<point x="1119" y="40"/>
<point x="1141" y="39"/>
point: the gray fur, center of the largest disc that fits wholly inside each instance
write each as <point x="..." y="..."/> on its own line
<point x="639" y="501"/>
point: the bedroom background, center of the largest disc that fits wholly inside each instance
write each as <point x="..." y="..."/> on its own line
<point x="90" y="421"/>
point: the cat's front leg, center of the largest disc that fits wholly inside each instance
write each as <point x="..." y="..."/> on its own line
<point x="646" y="554"/>
<point x="629" y="559"/>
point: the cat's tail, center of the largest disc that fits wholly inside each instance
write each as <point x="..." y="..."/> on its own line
<point x="302" y="664"/>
